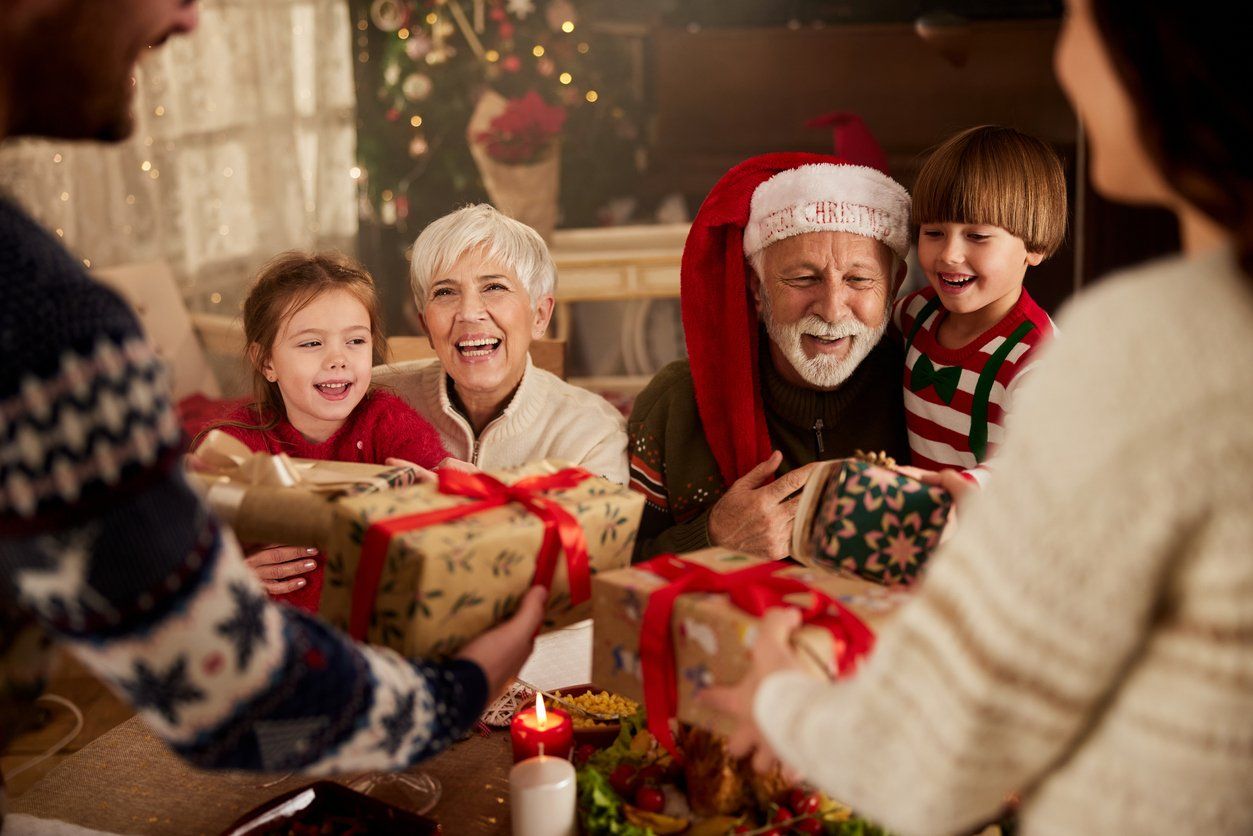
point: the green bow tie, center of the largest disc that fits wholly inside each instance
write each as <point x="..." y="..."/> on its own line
<point x="944" y="379"/>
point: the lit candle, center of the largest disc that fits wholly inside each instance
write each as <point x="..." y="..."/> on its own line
<point x="541" y="797"/>
<point x="539" y="731"/>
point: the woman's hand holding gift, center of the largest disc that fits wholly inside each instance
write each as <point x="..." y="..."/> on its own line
<point x="771" y="653"/>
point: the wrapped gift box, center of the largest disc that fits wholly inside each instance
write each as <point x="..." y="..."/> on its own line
<point x="434" y="584"/>
<point x="710" y="635"/>
<point x="869" y="520"/>
<point x="278" y="499"/>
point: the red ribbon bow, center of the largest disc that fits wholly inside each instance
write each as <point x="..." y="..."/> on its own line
<point x="562" y="532"/>
<point x="754" y="589"/>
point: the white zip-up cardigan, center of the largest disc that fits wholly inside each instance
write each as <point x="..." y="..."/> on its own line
<point x="547" y="419"/>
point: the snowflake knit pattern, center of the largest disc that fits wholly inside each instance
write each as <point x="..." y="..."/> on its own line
<point x="104" y="544"/>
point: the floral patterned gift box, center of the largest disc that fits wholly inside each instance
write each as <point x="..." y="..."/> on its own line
<point x="425" y="569"/>
<point x="867" y="519"/>
<point x="667" y="629"/>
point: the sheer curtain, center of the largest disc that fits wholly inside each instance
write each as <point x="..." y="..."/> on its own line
<point x="244" y="146"/>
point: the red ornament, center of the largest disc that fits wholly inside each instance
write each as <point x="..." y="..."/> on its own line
<point x="392" y="114"/>
<point x="497" y="14"/>
<point x="511" y="63"/>
<point x="506" y="30"/>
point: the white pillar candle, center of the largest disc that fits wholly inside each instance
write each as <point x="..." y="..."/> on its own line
<point x="541" y="791"/>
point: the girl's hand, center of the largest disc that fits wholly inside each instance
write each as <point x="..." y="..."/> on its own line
<point x="424" y="476"/>
<point x="771" y="653"/>
<point x="503" y="650"/>
<point x="279" y="567"/>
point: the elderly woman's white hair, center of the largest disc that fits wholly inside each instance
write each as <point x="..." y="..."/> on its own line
<point x="512" y="244"/>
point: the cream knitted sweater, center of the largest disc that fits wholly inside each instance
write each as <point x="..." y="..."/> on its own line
<point x="547" y="419"/>
<point x="1086" y="638"/>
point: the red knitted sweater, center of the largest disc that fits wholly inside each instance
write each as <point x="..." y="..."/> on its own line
<point x="381" y="427"/>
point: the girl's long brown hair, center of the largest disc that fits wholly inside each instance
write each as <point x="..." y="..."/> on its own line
<point x="285" y="285"/>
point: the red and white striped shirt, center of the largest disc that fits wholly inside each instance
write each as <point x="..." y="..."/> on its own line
<point x="956" y="399"/>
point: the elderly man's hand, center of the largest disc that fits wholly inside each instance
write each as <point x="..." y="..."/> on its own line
<point x="756" y="517"/>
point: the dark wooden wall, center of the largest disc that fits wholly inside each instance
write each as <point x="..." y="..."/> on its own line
<point x="722" y="95"/>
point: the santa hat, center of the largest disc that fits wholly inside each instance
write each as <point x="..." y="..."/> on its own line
<point x="758" y="202"/>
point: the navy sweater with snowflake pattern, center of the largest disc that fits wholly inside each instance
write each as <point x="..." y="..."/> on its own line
<point x="104" y="545"/>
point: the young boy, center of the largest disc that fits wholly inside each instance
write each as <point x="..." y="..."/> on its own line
<point x="989" y="203"/>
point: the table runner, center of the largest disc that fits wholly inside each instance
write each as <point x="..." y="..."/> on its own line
<point x="128" y="782"/>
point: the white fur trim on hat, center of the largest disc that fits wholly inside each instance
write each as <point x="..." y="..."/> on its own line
<point x="823" y="197"/>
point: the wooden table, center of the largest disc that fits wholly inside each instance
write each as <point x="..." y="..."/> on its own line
<point x="128" y="782"/>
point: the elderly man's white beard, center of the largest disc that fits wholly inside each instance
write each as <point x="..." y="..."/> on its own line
<point x="822" y="372"/>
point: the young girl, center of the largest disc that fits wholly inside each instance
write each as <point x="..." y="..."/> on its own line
<point x="989" y="203"/>
<point x="313" y="333"/>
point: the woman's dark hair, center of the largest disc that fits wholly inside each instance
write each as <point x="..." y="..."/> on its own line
<point x="1185" y="69"/>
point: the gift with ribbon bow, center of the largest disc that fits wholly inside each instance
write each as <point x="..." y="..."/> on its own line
<point x="669" y="628"/>
<point x="869" y="520"/>
<point x="425" y="569"/>
<point x="273" y="498"/>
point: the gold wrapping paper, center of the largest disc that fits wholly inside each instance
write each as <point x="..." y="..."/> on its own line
<point x="277" y="499"/>
<point x="445" y="584"/>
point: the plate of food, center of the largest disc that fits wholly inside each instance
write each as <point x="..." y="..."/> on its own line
<point x="635" y="788"/>
<point x="329" y="809"/>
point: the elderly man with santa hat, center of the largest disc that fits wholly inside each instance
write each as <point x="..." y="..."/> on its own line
<point x="788" y="279"/>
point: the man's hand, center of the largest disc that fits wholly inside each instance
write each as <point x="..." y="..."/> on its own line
<point x="279" y="566"/>
<point x="756" y="517"/>
<point x="503" y="650"/>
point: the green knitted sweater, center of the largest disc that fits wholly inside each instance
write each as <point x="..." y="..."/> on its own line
<point x="674" y="467"/>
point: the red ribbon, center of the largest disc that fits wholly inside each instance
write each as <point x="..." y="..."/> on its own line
<point x="562" y="532"/>
<point x="754" y="590"/>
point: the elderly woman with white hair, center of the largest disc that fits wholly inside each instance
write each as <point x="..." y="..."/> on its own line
<point x="484" y="286"/>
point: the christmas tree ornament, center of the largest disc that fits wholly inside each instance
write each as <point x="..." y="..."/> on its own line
<point x="545" y="67"/>
<point x="418" y="146"/>
<point x="558" y="13"/>
<point x="418" y="45"/>
<point x="417" y="87"/>
<point x="388" y="15"/>
<point x="391" y="74"/>
<point x="520" y="8"/>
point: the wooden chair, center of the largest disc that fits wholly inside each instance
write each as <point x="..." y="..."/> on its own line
<point x="203" y="352"/>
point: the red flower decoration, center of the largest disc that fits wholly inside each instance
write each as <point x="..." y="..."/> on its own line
<point x="525" y="131"/>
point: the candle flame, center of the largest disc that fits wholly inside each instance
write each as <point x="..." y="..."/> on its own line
<point x="540" y="713"/>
